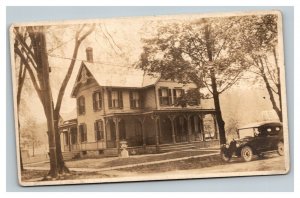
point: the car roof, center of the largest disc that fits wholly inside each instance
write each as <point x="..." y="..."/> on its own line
<point x="259" y="124"/>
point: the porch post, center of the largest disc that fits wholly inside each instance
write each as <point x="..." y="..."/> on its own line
<point x="116" y="121"/>
<point x="156" y="119"/>
<point x="202" y="126"/>
<point x="216" y="127"/>
<point x="172" y="118"/>
<point x="188" y="117"/>
<point x="106" y="121"/>
<point x="69" y="138"/>
<point x="142" y="120"/>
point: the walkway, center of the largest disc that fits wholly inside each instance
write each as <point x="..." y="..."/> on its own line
<point x="129" y="165"/>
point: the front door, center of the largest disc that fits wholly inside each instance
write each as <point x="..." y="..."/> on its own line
<point x="111" y="136"/>
<point x="166" y="131"/>
<point x="181" y="129"/>
<point x="73" y="141"/>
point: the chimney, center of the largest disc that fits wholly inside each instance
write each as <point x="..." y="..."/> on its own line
<point x="89" y="54"/>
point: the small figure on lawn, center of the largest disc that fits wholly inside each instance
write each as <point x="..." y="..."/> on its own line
<point x="124" y="152"/>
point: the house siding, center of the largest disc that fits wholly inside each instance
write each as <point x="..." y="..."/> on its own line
<point x="90" y="116"/>
<point x="134" y="124"/>
<point x="150" y="98"/>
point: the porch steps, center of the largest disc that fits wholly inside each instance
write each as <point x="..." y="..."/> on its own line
<point x="176" y="147"/>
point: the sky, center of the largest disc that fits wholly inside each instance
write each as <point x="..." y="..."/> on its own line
<point x="116" y="42"/>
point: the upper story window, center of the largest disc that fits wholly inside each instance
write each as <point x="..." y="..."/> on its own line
<point x="82" y="133"/>
<point x="81" y="105"/>
<point x="97" y="100"/>
<point x="99" y="130"/>
<point x="84" y="75"/>
<point x="177" y="92"/>
<point x="135" y="99"/>
<point x="115" y="99"/>
<point x="165" y="96"/>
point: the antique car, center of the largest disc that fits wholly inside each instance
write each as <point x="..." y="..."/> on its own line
<point x="255" y="139"/>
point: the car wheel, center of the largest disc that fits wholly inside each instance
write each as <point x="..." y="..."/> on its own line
<point x="247" y="153"/>
<point x="280" y="148"/>
<point x="224" y="157"/>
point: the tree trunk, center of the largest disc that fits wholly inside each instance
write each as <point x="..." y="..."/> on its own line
<point x="219" y="118"/>
<point x="272" y="99"/>
<point x="43" y="75"/>
<point x="20" y="151"/>
<point x="269" y="89"/>
<point x="61" y="166"/>
<point x="278" y="84"/>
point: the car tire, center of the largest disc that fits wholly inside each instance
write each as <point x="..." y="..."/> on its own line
<point x="280" y="148"/>
<point x="224" y="157"/>
<point x="247" y="153"/>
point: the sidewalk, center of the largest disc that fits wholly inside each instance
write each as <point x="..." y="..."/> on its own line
<point x="129" y="165"/>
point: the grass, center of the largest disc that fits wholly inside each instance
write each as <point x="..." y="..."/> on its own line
<point x="98" y="163"/>
<point x="192" y="163"/>
<point x="39" y="175"/>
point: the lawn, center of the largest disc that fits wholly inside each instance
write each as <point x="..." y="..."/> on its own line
<point x="186" y="164"/>
<point x="113" y="162"/>
<point x="39" y="175"/>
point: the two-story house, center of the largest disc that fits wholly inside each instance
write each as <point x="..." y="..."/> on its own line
<point x="117" y="103"/>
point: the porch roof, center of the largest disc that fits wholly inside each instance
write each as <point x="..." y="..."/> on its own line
<point x="161" y="111"/>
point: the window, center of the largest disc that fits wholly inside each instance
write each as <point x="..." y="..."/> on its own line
<point x="74" y="135"/>
<point x="177" y="92"/>
<point x="84" y="75"/>
<point x="81" y="105"/>
<point x="82" y="132"/>
<point x="165" y="96"/>
<point x="115" y="99"/>
<point x="135" y="100"/>
<point x="97" y="101"/>
<point x="98" y="130"/>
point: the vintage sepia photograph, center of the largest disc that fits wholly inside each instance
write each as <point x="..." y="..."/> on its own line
<point x="150" y="98"/>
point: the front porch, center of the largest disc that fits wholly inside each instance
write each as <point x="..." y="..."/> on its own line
<point x="154" y="131"/>
<point x="150" y="132"/>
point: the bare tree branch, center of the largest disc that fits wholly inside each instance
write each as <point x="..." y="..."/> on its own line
<point x="31" y="74"/>
<point x="71" y="66"/>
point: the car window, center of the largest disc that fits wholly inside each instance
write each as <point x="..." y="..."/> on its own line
<point x="269" y="131"/>
<point x="243" y="133"/>
<point x="273" y="130"/>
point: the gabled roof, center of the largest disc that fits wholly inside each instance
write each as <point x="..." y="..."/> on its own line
<point x="118" y="76"/>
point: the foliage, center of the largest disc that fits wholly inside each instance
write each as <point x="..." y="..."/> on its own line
<point x="191" y="97"/>
<point x="182" y="51"/>
<point x="261" y="46"/>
